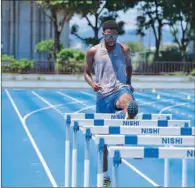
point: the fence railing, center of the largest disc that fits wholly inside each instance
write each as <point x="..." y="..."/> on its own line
<point x="163" y="67"/>
<point x="45" y="67"/>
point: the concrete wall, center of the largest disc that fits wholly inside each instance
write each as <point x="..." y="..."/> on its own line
<point x="24" y="25"/>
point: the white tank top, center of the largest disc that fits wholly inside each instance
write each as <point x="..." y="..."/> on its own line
<point x="110" y="69"/>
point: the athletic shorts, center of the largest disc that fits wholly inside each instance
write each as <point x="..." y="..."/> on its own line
<point x="108" y="103"/>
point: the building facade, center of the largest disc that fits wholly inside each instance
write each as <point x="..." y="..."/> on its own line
<point x="23" y="26"/>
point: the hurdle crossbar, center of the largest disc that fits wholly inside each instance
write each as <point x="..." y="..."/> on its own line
<point x="156" y="140"/>
<point x="119" y="122"/>
<point x="153" y="152"/>
<point x="117" y="116"/>
<point x="118" y="153"/>
<point x="126" y="130"/>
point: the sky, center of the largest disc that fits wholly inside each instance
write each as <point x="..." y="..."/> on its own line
<point x="129" y="18"/>
<point x="130" y="23"/>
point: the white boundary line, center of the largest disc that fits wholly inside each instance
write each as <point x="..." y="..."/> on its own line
<point x="89" y="94"/>
<point x="85" y="108"/>
<point x="169" y="107"/>
<point x="39" y="110"/>
<point x="47" y="102"/>
<point x="44" y="108"/>
<point x="139" y="172"/>
<point x="42" y="160"/>
<point x="72" y="98"/>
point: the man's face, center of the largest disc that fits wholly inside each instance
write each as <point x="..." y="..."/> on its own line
<point x="110" y="36"/>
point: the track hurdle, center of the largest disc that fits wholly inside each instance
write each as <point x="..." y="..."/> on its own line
<point x="101" y="140"/>
<point x="118" y="153"/>
<point x="144" y="140"/>
<point x="69" y="121"/>
<point x="116" y="116"/>
<point x="126" y="130"/>
<point x="120" y="122"/>
<point x="82" y="123"/>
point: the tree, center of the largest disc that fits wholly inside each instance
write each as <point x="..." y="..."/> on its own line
<point x="179" y="15"/>
<point x="135" y="47"/>
<point x="152" y="16"/>
<point x="100" y="11"/>
<point x="46" y="47"/>
<point x="60" y="12"/>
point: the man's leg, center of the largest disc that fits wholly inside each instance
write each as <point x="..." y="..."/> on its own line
<point x="127" y="103"/>
<point x="105" y="106"/>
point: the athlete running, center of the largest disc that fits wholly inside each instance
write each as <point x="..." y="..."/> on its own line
<point x="110" y="61"/>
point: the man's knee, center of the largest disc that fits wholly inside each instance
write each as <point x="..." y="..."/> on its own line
<point x="123" y="101"/>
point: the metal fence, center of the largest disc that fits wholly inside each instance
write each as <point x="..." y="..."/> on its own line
<point x="140" y="68"/>
<point x="163" y="67"/>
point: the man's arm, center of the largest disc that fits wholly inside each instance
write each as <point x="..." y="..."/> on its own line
<point x="129" y="69"/>
<point x="89" y="66"/>
<point x="88" y="69"/>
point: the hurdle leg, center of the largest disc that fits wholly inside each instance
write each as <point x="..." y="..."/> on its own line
<point x="74" y="155"/>
<point x="115" y="165"/>
<point x="67" y="157"/>
<point x="166" y="172"/>
<point x="184" y="173"/>
<point x="87" y="162"/>
<point x="100" y="163"/>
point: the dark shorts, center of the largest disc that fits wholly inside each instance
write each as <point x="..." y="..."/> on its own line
<point x="108" y="103"/>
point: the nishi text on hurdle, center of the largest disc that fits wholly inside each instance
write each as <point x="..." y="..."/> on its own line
<point x="171" y="140"/>
<point x="131" y="123"/>
<point x="150" y="130"/>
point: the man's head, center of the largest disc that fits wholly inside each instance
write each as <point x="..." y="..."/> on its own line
<point x="110" y="32"/>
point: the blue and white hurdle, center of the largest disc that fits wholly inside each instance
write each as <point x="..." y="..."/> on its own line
<point x="145" y="140"/>
<point x="126" y="130"/>
<point x="141" y="140"/>
<point x="122" y="122"/>
<point x="69" y="120"/>
<point x="119" y="153"/>
<point x="177" y="127"/>
<point x="116" y="116"/>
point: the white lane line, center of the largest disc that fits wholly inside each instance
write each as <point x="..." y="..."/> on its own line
<point x="39" y="110"/>
<point x="42" y="160"/>
<point x="86" y="108"/>
<point x="47" y="102"/>
<point x="139" y="172"/>
<point x="146" y="103"/>
<point x="184" y="93"/>
<point x="89" y="94"/>
<point x="72" y="98"/>
<point x="169" y="107"/>
<point x="44" y="108"/>
<point x="176" y="97"/>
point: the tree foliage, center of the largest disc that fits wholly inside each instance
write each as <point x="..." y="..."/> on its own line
<point x="59" y="12"/>
<point x="179" y="15"/>
<point x="152" y="16"/>
<point x="96" y="13"/>
<point x="135" y="47"/>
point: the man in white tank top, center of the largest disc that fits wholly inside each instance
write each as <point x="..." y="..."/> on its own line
<point x="110" y="61"/>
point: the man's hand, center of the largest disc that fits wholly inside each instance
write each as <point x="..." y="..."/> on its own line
<point x="97" y="87"/>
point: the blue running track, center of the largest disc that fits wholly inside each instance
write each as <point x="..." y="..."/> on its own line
<point x="33" y="137"/>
